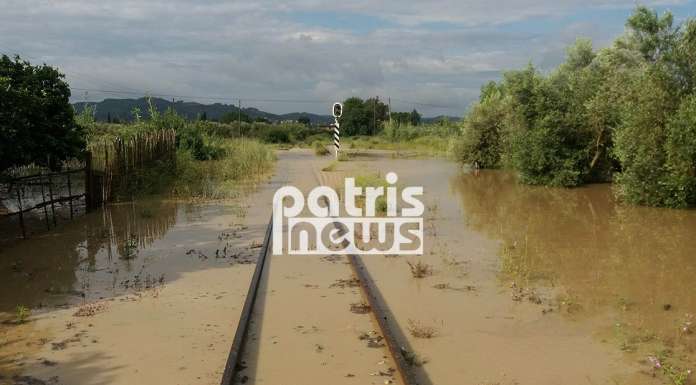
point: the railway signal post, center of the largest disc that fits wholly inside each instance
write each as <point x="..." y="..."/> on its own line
<point x="337" y="112"/>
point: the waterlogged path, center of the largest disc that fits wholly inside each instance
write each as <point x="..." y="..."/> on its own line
<point x="521" y="285"/>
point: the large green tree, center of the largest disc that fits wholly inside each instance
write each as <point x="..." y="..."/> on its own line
<point x="363" y="117"/>
<point x="37" y="122"/>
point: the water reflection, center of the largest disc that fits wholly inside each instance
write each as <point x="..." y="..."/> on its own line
<point x="638" y="262"/>
<point x="64" y="263"/>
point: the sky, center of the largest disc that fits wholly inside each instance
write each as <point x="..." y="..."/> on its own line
<point x="303" y="55"/>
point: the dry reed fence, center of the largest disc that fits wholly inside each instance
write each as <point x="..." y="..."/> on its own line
<point x="113" y="163"/>
<point x="41" y="199"/>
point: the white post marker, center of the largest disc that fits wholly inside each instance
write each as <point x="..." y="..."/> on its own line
<point x="337" y="112"/>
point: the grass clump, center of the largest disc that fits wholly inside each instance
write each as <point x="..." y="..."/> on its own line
<point x="360" y="307"/>
<point x="22" y="313"/>
<point x="320" y="149"/>
<point x="420" y="269"/>
<point x="330" y="167"/>
<point x="376" y="181"/>
<point x="243" y="160"/>
<point x="420" y="330"/>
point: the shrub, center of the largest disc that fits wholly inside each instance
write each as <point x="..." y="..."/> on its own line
<point x="639" y="141"/>
<point x="481" y="133"/>
<point x="320" y="149"/>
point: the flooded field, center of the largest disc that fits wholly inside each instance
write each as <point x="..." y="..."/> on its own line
<point x="518" y="285"/>
<point x="145" y="292"/>
<point x="528" y="285"/>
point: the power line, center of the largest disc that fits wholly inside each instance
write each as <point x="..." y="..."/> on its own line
<point x="230" y="99"/>
<point x="223" y="98"/>
<point x="448" y="107"/>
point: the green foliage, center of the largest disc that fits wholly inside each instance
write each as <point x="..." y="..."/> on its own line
<point x="191" y="137"/>
<point x="681" y="153"/>
<point x="363" y="117"/>
<point x="276" y="135"/>
<point x="234" y="116"/>
<point x="243" y="160"/>
<point x="482" y="130"/>
<point x="37" y="122"/>
<point x="640" y="140"/>
<point x="625" y="113"/>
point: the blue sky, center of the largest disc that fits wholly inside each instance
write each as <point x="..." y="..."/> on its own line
<point x="302" y="55"/>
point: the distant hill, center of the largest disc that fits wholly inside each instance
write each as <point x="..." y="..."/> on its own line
<point x="440" y="117"/>
<point x="122" y="110"/>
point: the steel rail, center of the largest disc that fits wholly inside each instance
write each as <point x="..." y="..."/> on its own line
<point x="232" y="365"/>
<point x="370" y="292"/>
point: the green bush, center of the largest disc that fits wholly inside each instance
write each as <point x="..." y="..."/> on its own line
<point x="639" y="141"/>
<point x="482" y="133"/>
<point x="37" y="122"/>
<point x="276" y="135"/>
<point x="681" y="154"/>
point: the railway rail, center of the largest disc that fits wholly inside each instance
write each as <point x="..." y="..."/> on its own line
<point x="369" y="291"/>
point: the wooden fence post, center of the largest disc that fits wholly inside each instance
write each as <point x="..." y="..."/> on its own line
<point x="89" y="190"/>
<point x="50" y="195"/>
<point x="21" y="213"/>
<point x="70" y="197"/>
<point x="43" y="201"/>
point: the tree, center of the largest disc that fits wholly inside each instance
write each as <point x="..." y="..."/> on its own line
<point x="37" y="122"/>
<point x="652" y="35"/>
<point x="415" y="118"/>
<point x="304" y="120"/>
<point x="482" y="130"/>
<point x="354" y="120"/>
<point x="626" y="113"/>
<point x="233" y="116"/>
<point x="363" y="117"/>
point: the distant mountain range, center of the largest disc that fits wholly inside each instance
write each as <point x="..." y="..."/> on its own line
<point x="122" y="110"/>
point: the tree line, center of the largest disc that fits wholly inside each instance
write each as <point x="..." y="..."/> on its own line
<point x="368" y="117"/>
<point x="626" y="113"/>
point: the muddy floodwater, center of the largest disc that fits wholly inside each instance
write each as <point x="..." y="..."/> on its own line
<point x="532" y="285"/>
<point x="134" y="293"/>
<point x="517" y="285"/>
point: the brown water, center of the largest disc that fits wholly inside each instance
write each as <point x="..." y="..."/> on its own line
<point x="532" y="285"/>
<point x="636" y="263"/>
<point x="146" y="292"/>
<point x="112" y="251"/>
<point x="529" y="285"/>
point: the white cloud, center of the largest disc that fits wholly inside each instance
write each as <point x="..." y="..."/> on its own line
<point x="258" y="50"/>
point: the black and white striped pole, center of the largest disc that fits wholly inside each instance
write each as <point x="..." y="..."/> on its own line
<point x="337" y="112"/>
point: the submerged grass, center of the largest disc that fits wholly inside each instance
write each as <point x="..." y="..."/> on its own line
<point x="244" y="160"/>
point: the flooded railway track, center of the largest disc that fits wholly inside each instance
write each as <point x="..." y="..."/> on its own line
<point x="369" y="291"/>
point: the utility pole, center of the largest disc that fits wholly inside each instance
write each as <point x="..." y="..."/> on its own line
<point x="389" y="101"/>
<point x="374" y="115"/>
<point x="239" y="108"/>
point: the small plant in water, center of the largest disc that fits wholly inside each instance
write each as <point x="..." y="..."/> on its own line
<point x="687" y="326"/>
<point x="412" y="358"/>
<point x="22" y="313"/>
<point x="420" y="269"/>
<point x="677" y="376"/>
<point x="360" y="307"/>
<point x="419" y="330"/>
<point x="130" y="248"/>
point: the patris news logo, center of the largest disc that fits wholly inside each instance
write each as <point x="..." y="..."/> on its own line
<point x="319" y="225"/>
